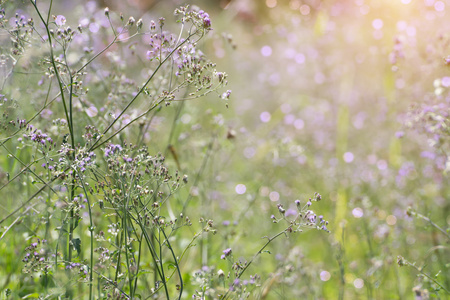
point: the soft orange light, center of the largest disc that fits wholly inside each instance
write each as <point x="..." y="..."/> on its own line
<point x="271" y="3"/>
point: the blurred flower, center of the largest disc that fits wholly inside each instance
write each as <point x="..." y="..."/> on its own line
<point x="60" y="20"/>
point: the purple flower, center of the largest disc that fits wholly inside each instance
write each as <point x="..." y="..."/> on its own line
<point x="226" y="253"/>
<point x="399" y="134"/>
<point x="290" y="212"/>
<point x="60" y="20"/>
<point x="445" y="81"/>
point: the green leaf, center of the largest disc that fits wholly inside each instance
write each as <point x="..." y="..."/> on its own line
<point x="34" y="295"/>
<point x="77" y="245"/>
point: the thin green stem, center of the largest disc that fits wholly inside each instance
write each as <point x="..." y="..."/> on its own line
<point x="52" y="59"/>
<point x="255" y="256"/>
<point x="416" y="214"/>
<point x="140" y="90"/>
<point x="420" y="270"/>
<point x="91" y="230"/>
<point x="176" y="262"/>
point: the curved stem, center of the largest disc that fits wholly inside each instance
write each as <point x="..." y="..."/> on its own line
<point x="255" y="256"/>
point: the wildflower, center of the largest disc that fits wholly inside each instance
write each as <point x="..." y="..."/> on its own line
<point x="161" y="22"/>
<point x="226" y="95"/>
<point x="131" y="21"/>
<point x="60" y="20"/>
<point x="290" y="212"/>
<point x="226" y="253"/>
<point x="152" y="25"/>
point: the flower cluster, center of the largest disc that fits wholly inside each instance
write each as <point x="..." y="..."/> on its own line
<point x="161" y="45"/>
<point x="7" y="111"/>
<point x="240" y="286"/>
<point x="36" y="257"/>
<point x="304" y="217"/>
<point x="21" y="31"/>
<point x="433" y="120"/>
<point x="37" y="137"/>
<point x="199" y="18"/>
<point x="64" y="33"/>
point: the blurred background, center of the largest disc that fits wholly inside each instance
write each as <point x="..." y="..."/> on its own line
<point x="349" y="99"/>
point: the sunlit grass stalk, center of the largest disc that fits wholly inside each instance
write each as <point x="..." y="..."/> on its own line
<point x="340" y="256"/>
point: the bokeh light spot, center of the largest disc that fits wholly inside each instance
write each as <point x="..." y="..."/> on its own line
<point x="249" y="152"/>
<point x="294" y="4"/>
<point x="358" y="283"/>
<point x="266" y="51"/>
<point x="439" y="6"/>
<point x="382" y="164"/>
<point x="377" y="24"/>
<point x="186" y="118"/>
<point x="357" y="212"/>
<point x="274" y="196"/>
<point x="391" y="220"/>
<point x="300" y="58"/>
<point x="411" y="31"/>
<point x="289" y="119"/>
<point x="348" y="157"/>
<point x="92" y="111"/>
<point x="299" y="124"/>
<point x="271" y="3"/>
<point x="401" y="25"/>
<point x="240" y="189"/>
<point x="445" y="82"/>
<point x="94" y="27"/>
<point x="265" y="117"/>
<point x="325" y="275"/>
<point x="305" y="9"/>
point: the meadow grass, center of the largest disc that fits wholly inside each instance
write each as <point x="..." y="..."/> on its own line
<point x="129" y="171"/>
